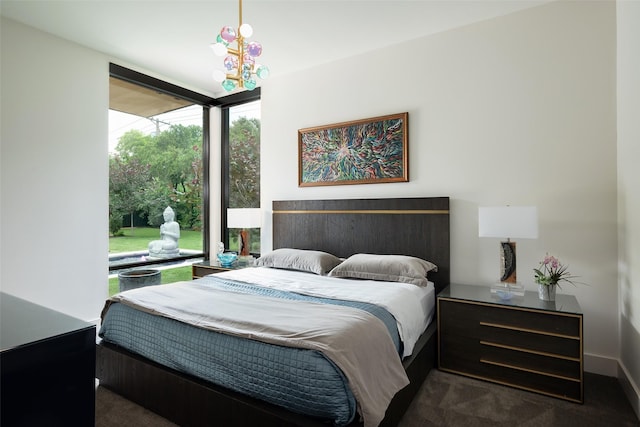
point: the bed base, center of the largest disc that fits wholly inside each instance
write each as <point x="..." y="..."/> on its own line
<point x="189" y="401"/>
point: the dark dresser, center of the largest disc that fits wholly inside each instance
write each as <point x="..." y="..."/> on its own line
<point x="523" y="342"/>
<point x="47" y="361"/>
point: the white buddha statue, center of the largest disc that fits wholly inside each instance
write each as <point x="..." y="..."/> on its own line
<point x="169" y="234"/>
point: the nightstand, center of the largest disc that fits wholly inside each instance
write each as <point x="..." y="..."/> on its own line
<point x="524" y="342"/>
<point x="203" y="268"/>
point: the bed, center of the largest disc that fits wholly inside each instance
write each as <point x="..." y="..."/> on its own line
<point x="416" y="227"/>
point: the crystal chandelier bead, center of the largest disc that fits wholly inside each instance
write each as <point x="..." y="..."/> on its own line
<point x="248" y="59"/>
<point x="246" y="73"/>
<point x="262" y="72"/>
<point x="230" y="62"/>
<point x="219" y="39"/>
<point x="254" y="49"/>
<point x="228" y="85"/>
<point x="228" y="34"/>
<point x="246" y="30"/>
<point x="250" y="84"/>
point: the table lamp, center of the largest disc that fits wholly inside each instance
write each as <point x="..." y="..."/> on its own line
<point x="508" y="222"/>
<point x="244" y="218"/>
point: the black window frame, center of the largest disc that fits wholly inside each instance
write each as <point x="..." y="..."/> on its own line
<point x="225" y="103"/>
<point x="206" y="102"/>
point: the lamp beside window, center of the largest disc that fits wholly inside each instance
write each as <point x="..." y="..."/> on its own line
<point x="244" y="219"/>
<point x="508" y="222"/>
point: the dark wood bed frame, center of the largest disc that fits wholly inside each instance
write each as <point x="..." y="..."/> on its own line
<point x="409" y="226"/>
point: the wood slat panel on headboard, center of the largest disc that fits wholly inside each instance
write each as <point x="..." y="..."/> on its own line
<point x="408" y="226"/>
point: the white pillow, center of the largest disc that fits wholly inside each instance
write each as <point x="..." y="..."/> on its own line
<point x="387" y="268"/>
<point x="299" y="259"/>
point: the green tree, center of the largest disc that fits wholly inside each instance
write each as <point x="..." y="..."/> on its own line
<point x="244" y="163"/>
<point x="189" y="200"/>
<point x="175" y="151"/>
<point x="157" y="196"/>
<point x="127" y="181"/>
<point x="135" y="144"/>
<point x="171" y="156"/>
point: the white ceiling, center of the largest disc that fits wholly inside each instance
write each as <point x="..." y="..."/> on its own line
<point x="172" y="38"/>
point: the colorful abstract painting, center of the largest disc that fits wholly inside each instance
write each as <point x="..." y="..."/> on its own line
<point x="358" y="152"/>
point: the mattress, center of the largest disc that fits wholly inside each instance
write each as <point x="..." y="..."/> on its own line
<point x="301" y="380"/>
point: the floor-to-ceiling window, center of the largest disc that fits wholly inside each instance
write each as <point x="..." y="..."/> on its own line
<point x="241" y="172"/>
<point x="158" y="158"/>
<point x="158" y="175"/>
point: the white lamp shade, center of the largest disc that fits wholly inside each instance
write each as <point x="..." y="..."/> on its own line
<point x="244" y="218"/>
<point x="508" y="222"/>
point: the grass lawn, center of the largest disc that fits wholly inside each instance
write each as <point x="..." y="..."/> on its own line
<point x="138" y="238"/>
<point x="168" y="276"/>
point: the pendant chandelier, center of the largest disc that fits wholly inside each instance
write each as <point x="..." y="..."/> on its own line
<point x="240" y="64"/>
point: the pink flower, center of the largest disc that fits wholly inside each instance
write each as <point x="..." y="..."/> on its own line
<point x="551" y="272"/>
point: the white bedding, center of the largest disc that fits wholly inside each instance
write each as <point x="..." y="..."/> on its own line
<point x="412" y="306"/>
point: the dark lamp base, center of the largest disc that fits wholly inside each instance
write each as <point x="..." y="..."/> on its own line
<point x="508" y="262"/>
<point x="245" y="244"/>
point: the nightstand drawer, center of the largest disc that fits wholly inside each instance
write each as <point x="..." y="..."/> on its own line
<point x="201" y="271"/>
<point x="458" y="353"/>
<point x="543" y="364"/>
<point x="556" y="386"/>
<point x="512" y="318"/>
<point x="561" y="346"/>
<point x="514" y="370"/>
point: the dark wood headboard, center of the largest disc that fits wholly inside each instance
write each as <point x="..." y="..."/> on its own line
<point x="408" y="226"/>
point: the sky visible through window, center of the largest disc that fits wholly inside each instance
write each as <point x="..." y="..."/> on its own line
<point x="120" y="123"/>
<point x="249" y="110"/>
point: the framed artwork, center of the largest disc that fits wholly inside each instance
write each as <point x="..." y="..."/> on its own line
<point x="364" y="151"/>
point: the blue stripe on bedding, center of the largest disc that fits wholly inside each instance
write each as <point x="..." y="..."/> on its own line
<point x="242" y="287"/>
<point x="301" y="380"/>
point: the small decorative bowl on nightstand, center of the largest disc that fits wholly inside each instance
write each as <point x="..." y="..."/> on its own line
<point x="506" y="291"/>
<point x="227" y="258"/>
<point x="504" y="294"/>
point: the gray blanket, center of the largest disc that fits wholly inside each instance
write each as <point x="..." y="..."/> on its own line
<point x="356" y="341"/>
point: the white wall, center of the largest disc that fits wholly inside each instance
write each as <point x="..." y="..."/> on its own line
<point x="54" y="176"/>
<point x="628" y="13"/>
<point x="516" y="110"/>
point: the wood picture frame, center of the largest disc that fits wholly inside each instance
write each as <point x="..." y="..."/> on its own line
<point x="367" y="151"/>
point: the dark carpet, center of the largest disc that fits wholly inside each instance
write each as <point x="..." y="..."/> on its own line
<point x="451" y="400"/>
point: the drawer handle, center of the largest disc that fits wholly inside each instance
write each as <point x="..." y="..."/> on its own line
<point x="518" y="368"/>
<point x="525" y="350"/>
<point x="533" y="331"/>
